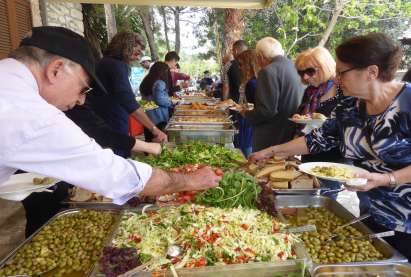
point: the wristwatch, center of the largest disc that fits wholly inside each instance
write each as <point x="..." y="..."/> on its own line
<point x="393" y="181"/>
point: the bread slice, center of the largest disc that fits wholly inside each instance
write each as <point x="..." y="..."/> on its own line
<point x="279" y="185"/>
<point x="302" y="182"/>
<point x="269" y="169"/>
<point x="283" y="175"/>
<point x="81" y="195"/>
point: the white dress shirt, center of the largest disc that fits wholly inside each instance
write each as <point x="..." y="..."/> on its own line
<point x="37" y="137"/>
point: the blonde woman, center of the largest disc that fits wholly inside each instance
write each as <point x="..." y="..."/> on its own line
<point x="316" y="68"/>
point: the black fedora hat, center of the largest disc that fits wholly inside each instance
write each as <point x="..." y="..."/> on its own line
<point x="65" y="43"/>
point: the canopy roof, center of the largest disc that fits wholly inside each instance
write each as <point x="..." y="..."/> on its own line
<point x="235" y="4"/>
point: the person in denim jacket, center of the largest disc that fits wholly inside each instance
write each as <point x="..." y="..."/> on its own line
<point x="154" y="87"/>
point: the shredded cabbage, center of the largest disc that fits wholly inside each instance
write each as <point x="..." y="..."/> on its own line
<point x="207" y="236"/>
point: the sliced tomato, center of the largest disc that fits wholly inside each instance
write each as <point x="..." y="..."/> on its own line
<point x="200" y="262"/>
<point x="218" y="172"/>
<point x="245" y="226"/>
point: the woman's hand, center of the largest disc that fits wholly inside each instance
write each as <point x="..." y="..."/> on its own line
<point x="374" y="180"/>
<point x="159" y="136"/>
<point x="260" y="156"/>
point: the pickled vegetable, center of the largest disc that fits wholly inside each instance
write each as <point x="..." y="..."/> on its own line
<point x="341" y="251"/>
<point x="71" y="243"/>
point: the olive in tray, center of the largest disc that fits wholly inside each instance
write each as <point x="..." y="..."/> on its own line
<point x="69" y="246"/>
<point x="318" y="244"/>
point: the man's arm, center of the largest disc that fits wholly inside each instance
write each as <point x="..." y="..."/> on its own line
<point x="163" y="182"/>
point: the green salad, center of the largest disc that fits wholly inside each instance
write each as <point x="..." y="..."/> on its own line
<point x="196" y="153"/>
<point x="236" y="189"/>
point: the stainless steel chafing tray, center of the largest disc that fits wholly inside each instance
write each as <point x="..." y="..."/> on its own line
<point x="298" y="267"/>
<point x="11" y="255"/>
<point x="197" y="120"/>
<point x="364" y="270"/>
<point x="182" y="112"/>
<point x="221" y="134"/>
<point x="306" y="201"/>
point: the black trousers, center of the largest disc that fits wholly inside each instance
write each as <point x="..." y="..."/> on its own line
<point x="400" y="241"/>
<point x="41" y="206"/>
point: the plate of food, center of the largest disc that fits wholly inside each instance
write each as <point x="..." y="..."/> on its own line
<point x="313" y="119"/>
<point x="19" y="186"/>
<point x="331" y="171"/>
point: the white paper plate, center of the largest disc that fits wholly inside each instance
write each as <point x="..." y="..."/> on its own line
<point x="317" y="122"/>
<point x="19" y="186"/>
<point x="307" y="167"/>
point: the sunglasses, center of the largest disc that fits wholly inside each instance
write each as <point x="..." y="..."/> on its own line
<point x="309" y="71"/>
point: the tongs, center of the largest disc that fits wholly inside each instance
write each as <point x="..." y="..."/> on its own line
<point x="335" y="237"/>
<point x="369" y="236"/>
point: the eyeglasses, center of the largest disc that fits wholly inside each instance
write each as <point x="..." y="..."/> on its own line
<point x="339" y="74"/>
<point x="309" y="71"/>
<point x="86" y="89"/>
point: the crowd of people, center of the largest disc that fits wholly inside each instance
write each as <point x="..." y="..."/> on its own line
<point x="367" y="110"/>
<point x="65" y="116"/>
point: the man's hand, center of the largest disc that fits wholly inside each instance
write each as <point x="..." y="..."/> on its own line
<point x="203" y="178"/>
<point x="153" y="148"/>
<point x="159" y="136"/>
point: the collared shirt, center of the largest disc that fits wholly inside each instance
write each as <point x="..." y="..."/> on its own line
<point x="37" y="137"/>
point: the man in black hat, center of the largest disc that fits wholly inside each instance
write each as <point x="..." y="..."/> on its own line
<point x="49" y="73"/>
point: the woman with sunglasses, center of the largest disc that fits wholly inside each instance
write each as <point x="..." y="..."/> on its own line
<point x="316" y="68"/>
<point x="371" y="126"/>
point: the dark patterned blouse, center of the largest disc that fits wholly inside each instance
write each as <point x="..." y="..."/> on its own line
<point x="379" y="143"/>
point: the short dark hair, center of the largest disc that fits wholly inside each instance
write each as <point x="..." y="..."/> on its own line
<point x="206" y="72"/>
<point x="122" y="44"/>
<point x="240" y="45"/>
<point x="372" y="49"/>
<point x="172" y="55"/>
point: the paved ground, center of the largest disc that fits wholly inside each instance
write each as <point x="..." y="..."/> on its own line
<point x="12" y="224"/>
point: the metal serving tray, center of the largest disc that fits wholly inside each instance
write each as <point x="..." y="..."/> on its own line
<point x="182" y="112"/>
<point x="11" y="255"/>
<point x="220" y="134"/>
<point x="194" y="120"/>
<point x="306" y="201"/>
<point x="296" y="268"/>
<point x="365" y="270"/>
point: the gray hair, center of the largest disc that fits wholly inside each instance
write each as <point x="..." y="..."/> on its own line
<point x="269" y="48"/>
<point x="38" y="56"/>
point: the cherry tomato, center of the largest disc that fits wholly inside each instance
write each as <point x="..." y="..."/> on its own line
<point x="218" y="172"/>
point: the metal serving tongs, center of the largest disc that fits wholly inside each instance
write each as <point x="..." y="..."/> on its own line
<point x="369" y="236"/>
<point x="355" y="220"/>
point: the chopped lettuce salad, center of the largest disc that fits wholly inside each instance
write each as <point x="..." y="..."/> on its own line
<point x="206" y="236"/>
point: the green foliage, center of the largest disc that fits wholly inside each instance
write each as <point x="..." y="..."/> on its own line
<point x="300" y="24"/>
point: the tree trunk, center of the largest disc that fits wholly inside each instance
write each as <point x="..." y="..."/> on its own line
<point x="176" y="12"/>
<point x="163" y="14"/>
<point x="339" y="6"/>
<point x="110" y="21"/>
<point x="89" y="33"/>
<point x="233" y="27"/>
<point x="147" y="17"/>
